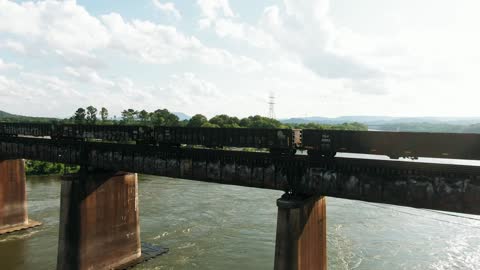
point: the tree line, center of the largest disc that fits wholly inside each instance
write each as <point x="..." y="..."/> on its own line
<point x="163" y="117"/>
<point x="36" y="167"/>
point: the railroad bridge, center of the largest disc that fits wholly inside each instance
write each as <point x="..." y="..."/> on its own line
<point x="99" y="226"/>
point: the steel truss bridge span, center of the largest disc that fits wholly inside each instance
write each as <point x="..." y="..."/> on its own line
<point x="425" y="185"/>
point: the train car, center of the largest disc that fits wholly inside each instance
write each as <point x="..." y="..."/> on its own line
<point x="117" y="133"/>
<point x="229" y="137"/>
<point x="27" y="129"/>
<point x="277" y="140"/>
<point x="326" y="143"/>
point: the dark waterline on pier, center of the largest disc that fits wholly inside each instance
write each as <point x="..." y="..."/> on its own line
<point x="211" y="226"/>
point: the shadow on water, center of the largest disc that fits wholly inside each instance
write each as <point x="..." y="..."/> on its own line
<point x="12" y="251"/>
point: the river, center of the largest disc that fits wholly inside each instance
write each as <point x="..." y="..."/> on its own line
<point x="212" y="226"/>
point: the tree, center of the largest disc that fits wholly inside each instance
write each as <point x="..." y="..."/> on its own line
<point x="91" y="114"/>
<point x="144" y="116"/>
<point x="225" y="121"/>
<point x="164" y="118"/>
<point x="197" y="121"/>
<point x="128" y="116"/>
<point x="79" y="116"/>
<point x="104" y="114"/>
<point x="209" y="125"/>
<point x="258" y="121"/>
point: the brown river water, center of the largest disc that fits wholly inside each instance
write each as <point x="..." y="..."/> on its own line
<point x="212" y="226"/>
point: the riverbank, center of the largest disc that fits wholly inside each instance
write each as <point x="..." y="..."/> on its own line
<point x="34" y="167"/>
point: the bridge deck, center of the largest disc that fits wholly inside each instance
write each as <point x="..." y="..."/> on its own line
<point x="436" y="186"/>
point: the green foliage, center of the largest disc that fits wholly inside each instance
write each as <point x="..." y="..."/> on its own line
<point x="258" y="121"/>
<point x="129" y="116"/>
<point x="183" y="123"/>
<point x="163" y="118"/>
<point x="104" y="114"/>
<point x="197" y="120"/>
<point x="344" y="126"/>
<point x="144" y="116"/>
<point x="79" y="116"/>
<point x="225" y="121"/>
<point x="34" y="167"/>
<point x="209" y="125"/>
<point x="91" y="115"/>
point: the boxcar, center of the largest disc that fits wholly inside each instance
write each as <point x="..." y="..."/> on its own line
<point x="392" y="144"/>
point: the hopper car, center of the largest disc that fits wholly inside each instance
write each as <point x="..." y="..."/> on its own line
<point x="276" y="140"/>
<point x="326" y="143"/>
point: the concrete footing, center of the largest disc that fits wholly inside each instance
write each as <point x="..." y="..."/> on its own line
<point x="301" y="241"/>
<point x="13" y="197"/>
<point x="99" y="221"/>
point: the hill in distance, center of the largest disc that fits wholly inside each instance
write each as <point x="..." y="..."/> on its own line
<point x="5" y="116"/>
<point x="182" y="116"/>
<point x="383" y="120"/>
<point x="413" y="124"/>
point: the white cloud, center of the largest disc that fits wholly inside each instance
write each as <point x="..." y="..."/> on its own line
<point x="47" y="95"/>
<point x="89" y="76"/>
<point x="317" y="56"/>
<point x="38" y="94"/>
<point x="69" y="31"/>
<point x="13" y="45"/>
<point x="193" y="87"/>
<point x="302" y="29"/>
<point x="212" y="10"/>
<point x="6" y="66"/>
<point x="148" y="41"/>
<point x="254" y="36"/>
<point x="63" y="26"/>
<point x="219" y="16"/>
<point x="8" y="88"/>
<point x="368" y="86"/>
<point x="155" y="43"/>
<point x="168" y="8"/>
<point x="305" y="30"/>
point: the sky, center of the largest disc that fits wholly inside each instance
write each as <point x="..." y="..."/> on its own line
<point x="317" y="57"/>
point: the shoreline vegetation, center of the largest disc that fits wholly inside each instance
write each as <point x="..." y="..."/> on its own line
<point x="160" y="117"/>
<point x="35" y="167"/>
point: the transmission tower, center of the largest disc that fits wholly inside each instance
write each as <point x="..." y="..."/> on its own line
<point x="271" y="106"/>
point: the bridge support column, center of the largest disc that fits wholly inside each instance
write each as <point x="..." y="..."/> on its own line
<point x="301" y="242"/>
<point x="99" y="221"/>
<point x="13" y="197"/>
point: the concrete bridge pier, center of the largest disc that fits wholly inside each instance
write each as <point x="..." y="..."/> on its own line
<point x="99" y="221"/>
<point x="13" y="197"/>
<point x="301" y="242"/>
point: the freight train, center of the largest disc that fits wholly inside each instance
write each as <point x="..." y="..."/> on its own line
<point x="277" y="140"/>
<point x="318" y="143"/>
